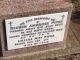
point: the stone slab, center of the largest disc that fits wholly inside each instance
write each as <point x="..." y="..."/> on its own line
<point x="24" y="8"/>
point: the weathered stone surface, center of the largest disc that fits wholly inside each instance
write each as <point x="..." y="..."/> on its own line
<point x="21" y="8"/>
<point x="67" y="0"/>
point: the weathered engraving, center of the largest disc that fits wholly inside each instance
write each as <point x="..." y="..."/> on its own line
<point x="35" y="30"/>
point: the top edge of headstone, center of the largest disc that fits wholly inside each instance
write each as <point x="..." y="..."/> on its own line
<point x="20" y="6"/>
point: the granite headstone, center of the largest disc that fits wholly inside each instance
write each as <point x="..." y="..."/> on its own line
<point x="28" y="26"/>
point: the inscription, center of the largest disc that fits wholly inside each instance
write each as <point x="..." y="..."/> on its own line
<point x="35" y="30"/>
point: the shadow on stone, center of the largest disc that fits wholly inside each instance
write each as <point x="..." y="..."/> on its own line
<point x="76" y="17"/>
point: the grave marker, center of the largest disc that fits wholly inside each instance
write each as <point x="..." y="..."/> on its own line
<point x="28" y="27"/>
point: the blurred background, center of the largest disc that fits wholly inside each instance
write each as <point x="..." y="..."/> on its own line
<point x="76" y="10"/>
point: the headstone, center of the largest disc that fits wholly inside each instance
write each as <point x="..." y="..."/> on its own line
<point x="28" y="26"/>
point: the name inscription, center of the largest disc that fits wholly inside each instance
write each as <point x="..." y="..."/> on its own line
<point x="35" y="30"/>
